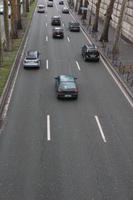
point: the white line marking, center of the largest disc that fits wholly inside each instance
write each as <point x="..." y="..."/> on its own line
<point x="78" y="65"/>
<point x="63" y="25"/>
<point x="47" y="38"/>
<point x="46" y="24"/>
<point x="56" y="6"/>
<point x="117" y="82"/>
<point x="46" y="15"/>
<point x="68" y="39"/>
<point x="14" y="82"/>
<point x="100" y="128"/>
<point x="48" y="128"/>
<point x="47" y="64"/>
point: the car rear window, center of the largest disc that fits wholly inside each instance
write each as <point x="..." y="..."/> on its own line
<point x="67" y="85"/>
<point x="31" y="55"/>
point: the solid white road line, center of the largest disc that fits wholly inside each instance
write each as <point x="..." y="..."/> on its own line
<point x="14" y="82"/>
<point x="78" y="65"/>
<point x="63" y="25"/>
<point x="117" y="82"/>
<point x="47" y="38"/>
<point x="47" y="64"/>
<point x="68" y="39"/>
<point x="48" y="128"/>
<point x="100" y="129"/>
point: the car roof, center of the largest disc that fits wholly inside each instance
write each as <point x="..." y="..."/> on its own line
<point x="58" y="28"/>
<point x="56" y="17"/>
<point x="41" y="5"/>
<point x="68" y="78"/>
<point x="91" y="46"/>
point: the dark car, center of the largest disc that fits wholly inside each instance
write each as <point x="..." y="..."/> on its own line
<point x="66" y="87"/>
<point x="58" y="32"/>
<point x="32" y="59"/>
<point x="50" y="4"/>
<point x="90" y="52"/>
<point x="74" y="26"/>
<point x="56" y="21"/>
<point x="61" y="2"/>
<point x="65" y="10"/>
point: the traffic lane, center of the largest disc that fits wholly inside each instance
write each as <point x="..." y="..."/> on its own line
<point x="24" y="107"/>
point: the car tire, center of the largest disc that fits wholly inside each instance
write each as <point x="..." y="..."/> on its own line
<point x="85" y="59"/>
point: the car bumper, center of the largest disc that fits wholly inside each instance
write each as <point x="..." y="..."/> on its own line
<point x="75" y="29"/>
<point x="67" y="96"/>
<point x="31" y="65"/>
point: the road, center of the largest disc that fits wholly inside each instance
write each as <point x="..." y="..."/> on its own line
<point x="53" y="149"/>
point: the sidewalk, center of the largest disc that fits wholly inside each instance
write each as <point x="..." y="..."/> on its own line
<point x="123" y="63"/>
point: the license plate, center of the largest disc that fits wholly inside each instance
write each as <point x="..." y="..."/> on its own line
<point x="68" y="95"/>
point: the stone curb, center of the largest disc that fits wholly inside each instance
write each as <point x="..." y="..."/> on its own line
<point x="14" y="68"/>
<point x="129" y="92"/>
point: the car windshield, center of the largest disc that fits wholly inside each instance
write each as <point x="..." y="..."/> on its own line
<point x="75" y="24"/>
<point x="67" y="85"/>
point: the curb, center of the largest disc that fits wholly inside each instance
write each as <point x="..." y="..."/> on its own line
<point x="130" y="94"/>
<point x="12" y="73"/>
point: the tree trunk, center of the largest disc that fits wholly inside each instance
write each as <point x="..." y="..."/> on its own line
<point x="95" y="24"/>
<point x="6" y="26"/>
<point x="85" y="11"/>
<point x="24" y="8"/>
<point x="19" y="23"/>
<point x="1" y="56"/>
<point x="115" y="49"/>
<point x="27" y="5"/>
<point x="90" y="15"/>
<point x="104" y="35"/>
<point x="80" y="5"/>
<point x="14" y="33"/>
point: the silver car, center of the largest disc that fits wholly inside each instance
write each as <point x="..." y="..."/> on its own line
<point x="41" y="8"/>
<point x="32" y="59"/>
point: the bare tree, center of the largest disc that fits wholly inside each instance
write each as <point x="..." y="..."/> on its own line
<point x="14" y="33"/>
<point x="79" y="9"/>
<point x="1" y="50"/>
<point x="95" y="24"/>
<point x="27" y="5"/>
<point x="19" y="23"/>
<point x="104" y="35"/>
<point x="24" y="7"/>
<point x="115" y="49"/>
<point x="6" y="26"/>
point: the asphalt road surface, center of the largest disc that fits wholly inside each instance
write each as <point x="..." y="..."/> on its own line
<point x="52" y="149"/>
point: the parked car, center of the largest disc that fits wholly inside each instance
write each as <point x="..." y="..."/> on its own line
<point x="66" y="87"/>
<point x="50" y="4"/>
<point x="65" y="10"/>
<point x="61" y="2"/>
<point x="90" y="52"/>
<point x="41" y="8"/>
<point x="56" y="21"/>
<point x="32" y="59"/>
<point x="74" y="26"/>
<point x="58" y="32"/>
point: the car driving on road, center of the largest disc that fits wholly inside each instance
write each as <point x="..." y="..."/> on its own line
<point x="61" y="2"/>
<point x="74" y="26"/>
<point x="40" y="8"/>
<point x="50" y="4"/>
<point x="66" y="87"/>
<point x="65" y="10"/>
<point x="56" y="21"/>
<point x="90" y="52"/>
<point x="58" y="32"/>
<point x="32" y="59"/>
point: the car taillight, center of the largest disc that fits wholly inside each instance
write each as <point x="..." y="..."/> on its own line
<point x="76" y="91"/>
<point x="59" y="91"/>
<point x="37" y="61"/>
<point x="24" y="61"/>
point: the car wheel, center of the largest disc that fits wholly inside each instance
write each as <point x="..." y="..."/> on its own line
<point x="85" y="59"/>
